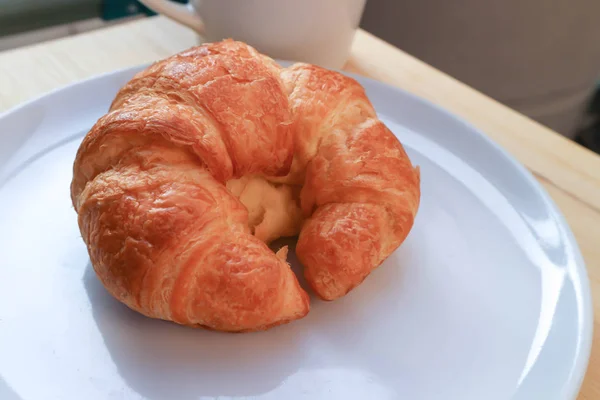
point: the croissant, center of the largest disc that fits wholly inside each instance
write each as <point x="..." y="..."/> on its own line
<point x="206" y="157"/>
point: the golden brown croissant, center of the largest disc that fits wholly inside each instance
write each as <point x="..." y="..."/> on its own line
<point x="207" y="156"/>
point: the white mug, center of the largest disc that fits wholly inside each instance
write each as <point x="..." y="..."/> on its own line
<point x="313" y="31"/>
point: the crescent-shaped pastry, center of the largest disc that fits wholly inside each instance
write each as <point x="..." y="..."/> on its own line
<point x="207" y="156"/>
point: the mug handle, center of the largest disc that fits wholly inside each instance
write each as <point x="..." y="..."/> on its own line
<point x="182" y="13"/>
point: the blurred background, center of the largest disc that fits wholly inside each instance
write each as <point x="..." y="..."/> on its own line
<point x="540" y="57"/>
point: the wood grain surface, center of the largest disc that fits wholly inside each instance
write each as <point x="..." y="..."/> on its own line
<point x="570" y="173"/>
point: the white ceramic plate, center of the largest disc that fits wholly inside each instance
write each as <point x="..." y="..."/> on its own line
<point x="487" y="299"/>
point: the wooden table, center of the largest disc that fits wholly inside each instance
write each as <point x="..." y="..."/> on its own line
<point x="570" y="173"/>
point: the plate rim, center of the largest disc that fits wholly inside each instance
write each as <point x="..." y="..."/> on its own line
<point x="581" y="360"/>
<point x="585" y="335"/>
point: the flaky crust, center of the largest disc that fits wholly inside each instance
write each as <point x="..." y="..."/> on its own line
<point x="207" y="156"/>
<point x="359" y="186"/>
